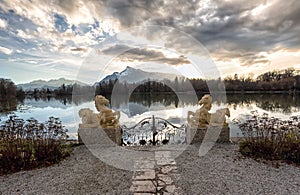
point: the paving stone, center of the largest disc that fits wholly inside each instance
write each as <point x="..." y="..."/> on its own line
<point x="144" y="175"/>
<point x="170" y="188"/>
<point x="160" y="183"/>
<point x="159" y="188"/>
<point x="144" y="165"/>
<point x="168" y="168"/>
<point x="159" y="154"/>
<point x="143" y="186"/>
<point x="165" y="178"/>
<point x="165" y="161"/>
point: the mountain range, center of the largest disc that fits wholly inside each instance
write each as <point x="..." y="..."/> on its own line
<point x="129" y="75"/>
<point x="132" y="75"/>
<point x="51" y="84"/>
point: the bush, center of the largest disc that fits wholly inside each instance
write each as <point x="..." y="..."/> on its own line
<point x="271" y="138"/>
<point x="31" y="144"/>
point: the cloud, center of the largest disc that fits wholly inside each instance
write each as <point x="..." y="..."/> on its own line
<point x="5" y="50"/>
<point x="246" y="32"/>
<point x="79" y="49"/>
<point x="144" y="55"/>
<point x="249" y="27"/>
<point x="3" y="23"/>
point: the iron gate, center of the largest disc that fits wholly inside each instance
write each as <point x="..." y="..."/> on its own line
<point x="153" y="131"/>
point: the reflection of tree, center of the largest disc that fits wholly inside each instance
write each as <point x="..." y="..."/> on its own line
<point x="277" y="103"/>
<point x="151" y="92"/>
<point x="147" y="99"/>
<point x="269" y="102"/>
<point x="8" y="105"/>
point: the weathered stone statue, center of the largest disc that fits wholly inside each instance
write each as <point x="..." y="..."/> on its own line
<point x="89" y="118"/>
<point x="107" y="118"/>
<point x="202" y="118"/>
<point x="96" y="126"/>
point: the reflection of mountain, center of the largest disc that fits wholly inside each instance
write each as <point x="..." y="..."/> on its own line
<point x="62" y="102"/>
<point x="52" y="103"/>
<point x="132" y="75"/>
<point x="51" y="84"/>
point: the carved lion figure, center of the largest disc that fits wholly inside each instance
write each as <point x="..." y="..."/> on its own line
<point x="89" y="118"/>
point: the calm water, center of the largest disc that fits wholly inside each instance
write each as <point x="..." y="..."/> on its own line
<point x="169" y="107"/>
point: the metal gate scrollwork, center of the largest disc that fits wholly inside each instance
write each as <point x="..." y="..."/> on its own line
<point x="153" y="131"/>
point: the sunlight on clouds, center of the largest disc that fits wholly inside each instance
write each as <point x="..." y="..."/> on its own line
<point x="3" y="23"/>
<point x="260" y="9"/>
<point x="23" y="35"/>
<point x="5" y="50"/>
<point x="284" y="58"/>
<point x="242" y="36"/>
<point x="83" y="15"/>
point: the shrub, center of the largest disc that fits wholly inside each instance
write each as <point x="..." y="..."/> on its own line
<point x="31" y="144"/>
<point x="271" y="138"/>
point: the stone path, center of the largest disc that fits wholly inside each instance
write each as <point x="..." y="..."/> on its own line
<point x="153" y="175"/>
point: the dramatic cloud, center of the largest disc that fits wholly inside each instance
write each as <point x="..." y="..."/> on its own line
<point x="237" y="33"/>
<point x="3" y="23"/>
<point x="249" y="27"/>
<point x="144" y="55"/>
<point x="5" y="50"/>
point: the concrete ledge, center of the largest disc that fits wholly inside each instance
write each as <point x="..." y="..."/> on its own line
<point x="196" y="135"/>
<point x="90" y="136"/>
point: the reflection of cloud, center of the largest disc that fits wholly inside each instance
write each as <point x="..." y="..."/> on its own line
<point x="144" y="55"/>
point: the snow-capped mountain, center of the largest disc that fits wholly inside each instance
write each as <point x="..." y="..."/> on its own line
<point x="132" y="75"/>
<point x="51" y="84"/>
<point x="112" y="77"/>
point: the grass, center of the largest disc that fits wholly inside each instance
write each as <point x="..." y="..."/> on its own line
<point x="271" y="138"/>
<point x="30" y="144"/>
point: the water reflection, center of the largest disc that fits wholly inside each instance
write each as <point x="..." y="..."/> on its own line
<point x="283" y="103"/>
<point x="137" y="106"/>
<point x="7" y="106"/>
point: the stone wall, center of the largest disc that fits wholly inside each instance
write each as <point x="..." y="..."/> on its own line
<point x="195" y="135"/>
<point x="89" y="136"/>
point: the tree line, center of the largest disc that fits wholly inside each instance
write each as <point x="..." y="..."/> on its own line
<point x="285" y="81"/>
<point x="9" y="90"/>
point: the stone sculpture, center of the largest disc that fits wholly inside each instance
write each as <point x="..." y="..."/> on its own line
<point x="218" y="118"/>
<point x="202" y="118"/>
<point x="89" y="118"/>
<point x="106" y="118"/>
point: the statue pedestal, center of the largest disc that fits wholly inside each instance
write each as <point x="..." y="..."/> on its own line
<point x="196" y="135"/>
<point x="108" y="136"/>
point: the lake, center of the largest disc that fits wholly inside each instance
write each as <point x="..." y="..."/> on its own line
<point x="167" y="106"/>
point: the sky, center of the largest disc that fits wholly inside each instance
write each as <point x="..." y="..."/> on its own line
<point x="88" y="39"/>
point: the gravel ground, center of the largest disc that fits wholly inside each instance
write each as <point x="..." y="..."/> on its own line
<point x="221" y="171"/>
<point x="81" y="173"/>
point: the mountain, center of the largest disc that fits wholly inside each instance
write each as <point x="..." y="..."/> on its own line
<point x="132" y="75"/>
<point x="51" y="84"/>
